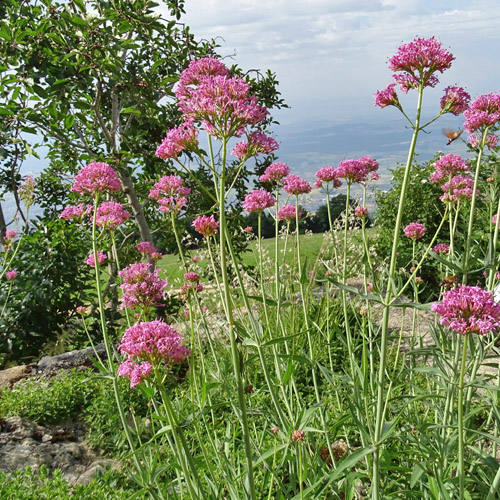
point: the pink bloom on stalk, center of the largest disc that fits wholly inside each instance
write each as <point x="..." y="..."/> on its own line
<point x="491" y="141"/>
<point x="455" y="100"/>
<point x="192" y="276"/>
<point x="293" y="184"/>
<point x="258" y="143"/>
<point x="494" y="219"/>
<point x="298" y="436"/>
<point x="387" y="97"/>
<point x="248" y="229"/>
<point x="287" y="212"/>
<point x="441" y="248"/>
<point x="448" y="166"/>
<point x="418" y="61"/>
<point x="206" y="225"/>
<point x="110" y="215"/>
<point x="146" y="248"/>
<point x="223" y="104"/>
<point x="415" y="230"/>
<point x="96" y="178"/>
<point x="468" y="309"/>
<point x="327" y="174"/>
<point x="154" y="341"/>
<point x="170" y="193"/>
<point x="275" y="172"/>
<point x="359" y="171"/>
<point x="141" y="286"/>
<point x="76" y="212"/>
<point x="10" y="275"/>
<point x="361" y="212"/>
<point x="27" y="191"/>
<point x="81" y="310"/>
<point x="258" y="200"/>
<point x="10" y="234"/>
<point x="135" y="372"/>
<point x="178" y="139"/>
<point x="101" y="257"/>
<point x="483" y="112"/>
<point x="195" y="73"/>
<point x="458" y="188"/>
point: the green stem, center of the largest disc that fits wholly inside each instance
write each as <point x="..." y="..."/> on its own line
<point x="461" y="434"/>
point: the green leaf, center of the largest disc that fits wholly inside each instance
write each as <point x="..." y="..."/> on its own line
<point x="69" y="120"/>
<point x="131" y="111"/>
<point x="416" y="474"/>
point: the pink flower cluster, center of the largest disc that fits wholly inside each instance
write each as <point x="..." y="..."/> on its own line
<point x="10" y="234"/>
<point x="141" y="286"/>
<point x="457" y="188"/>
<point x="146" y="248"/>
<point x="146" y="345"/>
<point x="414" y="231"/>
<point x="96" y="178"/>
<point x="275" y="172"/>
<point x="418" y="61"/>
<point x="361" y="212"/>
<point x="455" y="100"/>
<point x="468" y="309"/>
<point x="192" y="284"/>
<point x="327" y="174"/>
<point x="288" y="213"/>
<point x="222" y="103"/>
<point x="494" y="219"/>
<point x="387" y="97"/>
<point x="258" y="143"/>
<point x="292" y="184"/>
<point x="258" y="200"/>
<point x="483" y="112"/>
<point x="490" y="141"/>
<point x="441" y="248"/>
<point x="447" y="166"/>
<point x="298" y="436"/>
<point x="27" y="191"/>
<point x="206" y="225"/>
<point x="101" y="257"/>
<point x="170" y="193"/>
<point x="10" y="275"/>
<point x="76" y="212"/>
<point x="110" y="215"/>
<point x="184" y="137"/>
<point x="359" y="171"/>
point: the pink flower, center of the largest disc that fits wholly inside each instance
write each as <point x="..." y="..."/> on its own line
<point x="455" y="100"/>
<point x="295" y="185"/>
<point x="414" y="231"/>
<point x="287" y="212"/>
<point x="258" y="143"/>
<point x="441" y="248"/>
<point x="387" y="97"/>
<point x="206" y="225"/>
<point x="248" y="229"/>
<point x="275" y="430"/>
<point x="27" y="191"/>
<point x="458" y="188"/>
<point x="361" y="212"/>
<point x="177" y="140"/>
<point x="359" y="171"/>
<point x="223" y="104"/>
<point x="418" y="61"/>
<point x="258" y="200"/>
<point x="136" y="372"/>
<point x="146" y="248"/>
<point x="483" y="112"/>
<point x="298" y="436"/>
<point x="81" y="310"/>
<point x="96" y="178"/>
<point x="110" y="215"/>
<point x="154" y="341"/>
<point x="76" y="212"/>
<point x="327" y="174"/>
<point x="10" y="234"/>
<point x="192" y="276"/>
<point x="141" y="286"/>
<point x="275" y="172"/>
<point x="418" y="279"/>
<point x="494" y="219"/>
<point x="101" y="257"/>
<point x="194" y="258"/>
<point x="468" y="309"/>
<point x="10" y="275"/>
<point x="170" y="193"/>
<point x="447" y="166"/>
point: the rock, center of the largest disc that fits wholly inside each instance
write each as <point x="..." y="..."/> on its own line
<point x="70" y="360"/>
<point x="12" y="375"/>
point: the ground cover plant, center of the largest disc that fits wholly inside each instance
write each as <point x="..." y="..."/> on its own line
<point x="285" y="380"/>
